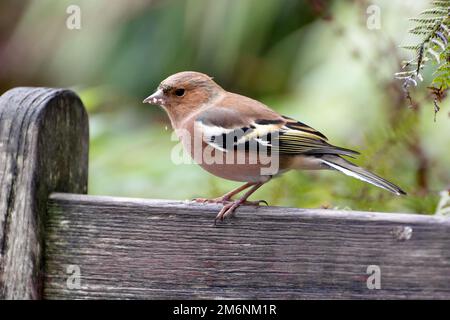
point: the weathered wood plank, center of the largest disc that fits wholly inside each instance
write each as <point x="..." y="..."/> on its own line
<point x="154" y="249"/>
<point x="43" y="148"/>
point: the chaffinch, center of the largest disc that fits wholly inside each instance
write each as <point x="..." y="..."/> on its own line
<point x="241" y="139"/>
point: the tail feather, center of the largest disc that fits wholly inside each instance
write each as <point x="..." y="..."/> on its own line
<point x="350" y="169"/>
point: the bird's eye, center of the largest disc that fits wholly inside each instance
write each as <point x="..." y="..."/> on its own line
<point x="179" y="92"/>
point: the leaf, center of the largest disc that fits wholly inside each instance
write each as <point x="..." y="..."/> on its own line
<point x="443" y="208"/>
<point x="434" y="54"/>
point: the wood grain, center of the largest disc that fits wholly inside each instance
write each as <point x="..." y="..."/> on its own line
<point x="43" y="148"/>
<point x="155" y="249"/>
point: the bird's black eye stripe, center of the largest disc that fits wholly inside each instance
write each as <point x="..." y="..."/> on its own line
<point x="179" y="92"/>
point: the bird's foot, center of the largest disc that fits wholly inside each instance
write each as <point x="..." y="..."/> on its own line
<point x="229" y="208"/>
<point x="255" y="203"/>
<point x="222" y="200"/>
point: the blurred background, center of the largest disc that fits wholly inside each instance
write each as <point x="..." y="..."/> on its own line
<point x="317" y="61"/>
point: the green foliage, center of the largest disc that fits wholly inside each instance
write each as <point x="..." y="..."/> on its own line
<point x="443" y="207"/>
<point x="332" y="73"/>
<point x="433" y="26"/>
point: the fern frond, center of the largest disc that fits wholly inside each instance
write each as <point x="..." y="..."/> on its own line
<point x="439" y="10"/>
<point x="433" y="26"/>
<point x="411" y="47"/>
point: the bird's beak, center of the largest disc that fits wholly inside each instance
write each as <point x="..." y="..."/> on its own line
<point x="155" y="98"/>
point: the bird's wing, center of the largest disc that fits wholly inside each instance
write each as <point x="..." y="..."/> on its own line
<point x="299" y="138"/>
<point x="228" y="129"/>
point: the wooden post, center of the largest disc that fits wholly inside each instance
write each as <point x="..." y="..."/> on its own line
<point x="43" y="148"/>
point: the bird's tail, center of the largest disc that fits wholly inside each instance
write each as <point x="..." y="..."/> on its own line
<point x="350" y="169"/>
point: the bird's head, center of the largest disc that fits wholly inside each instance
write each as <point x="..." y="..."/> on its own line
<point x="184" y="92"/>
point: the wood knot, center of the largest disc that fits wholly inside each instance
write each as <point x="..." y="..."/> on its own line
<point x="402" y="233"/>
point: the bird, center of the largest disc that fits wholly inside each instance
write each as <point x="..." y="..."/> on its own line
<point x="241" y="139"/>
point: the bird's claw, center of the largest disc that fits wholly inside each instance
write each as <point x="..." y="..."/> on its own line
<point x="255" y="203"/>
<point x="229" y="208"/>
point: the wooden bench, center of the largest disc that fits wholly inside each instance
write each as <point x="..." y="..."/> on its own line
<point x="58" y="242"/>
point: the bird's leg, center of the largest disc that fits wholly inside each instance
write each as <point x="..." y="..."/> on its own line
<point x="229" y="208"/>
<point x="227" y="196"/>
